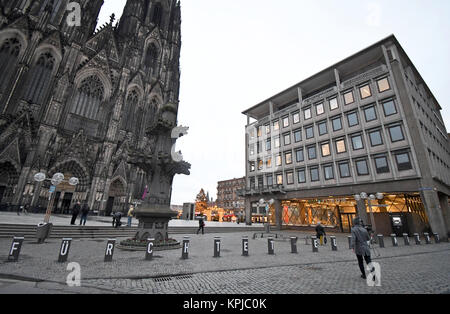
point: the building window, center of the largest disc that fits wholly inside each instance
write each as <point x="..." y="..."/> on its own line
<point x="348" y="98"/>
<point x="252" y="133"/>
<point x="296" y="117"/>
<point x="300" y="157"/>
<point x="340" y="146"/>
<point x="151" y="57"/>
<point x="375" y="138"/>
<point x="259" y="128"/>
<point x="252" y="166"/>
<point x="370" y="113"/>
<point x="319" y="109"/>
<point x="312" y="152"/>
<point x="365" y="91"/>
<point x="403" y="161"/>
<point x="260" y="164"/>
<point x="323" y="129"/>
<point x="361" y="167"/>
<point x="252" y="183"/>
<point x="287" y="139"/>
<point x="277" y="142"/>
<point x="328" y="172"/>
<point x="381" y="164"/>
<point x="334" y="104"/>
<point x="325" y="148"/>
<point x="269" y="162"/>
<point x="337" y="124"/>
<point x="396" y="133"/>
<point x="276" y="125"/>
<point x="288" y="158"/>
<point x="301" y="176"/>
<point x="269" y="179"/>
<point x="89" y="97"/>
<point x="267" y="128"/>
<point x="9" y="55"/>
<point x="309" y="132"/>
<point x="39" y="79"/>
<point x="258" y="147"/>
<point x="278" y="161"/>
<point x="307" y="114"/>
<point x="252" y="149"/>
<point x="290" y="178"/>
<point x="279" y="179"/>
<point x="357" y="142"/>
<point x="298" y="135"/>
<point x="314" y="172"/>
<point x="285" y="122"/>
<point x="344" y="170"/>
<point x="383" y="85"/>
<point x="352" y="119"/>
<point x="389" y="108"/>
<point x="269" y="145"/>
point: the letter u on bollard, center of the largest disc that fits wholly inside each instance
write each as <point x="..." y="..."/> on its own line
<point x="394" y="240"/>
<point x="333" y="243"/>
<point x="437" y="239"/>
<point x="315" y="244"/>
<point x="271" y="247"/>
<point x="406" y="238"/>
<point x="217" y="247"/>
<point x="64" y="251"/>
<point x="110" y="250"/>
<point x="16" y="247"/>
<point x="417" y="238"/>
<point x="185" y="252"/>
<point x="427" y="238"/>
<point x="381" y="240"/>
<point x="149" y="252"/>
<point x="244" y="246"/>
<point x="294" y="245"/>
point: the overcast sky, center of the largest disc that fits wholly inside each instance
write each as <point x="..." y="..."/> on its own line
<point x="236" y="53"/>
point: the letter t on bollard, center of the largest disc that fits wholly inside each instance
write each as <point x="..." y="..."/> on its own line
<point x="185" y="252"/>
<point x="217" y="247"/>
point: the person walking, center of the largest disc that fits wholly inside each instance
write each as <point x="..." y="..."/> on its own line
<point x="130" y="215"/>
<point x="360" y="245"/>
<point x="75" y="211"/>
<point x="320" y="232"/>
<point x="84" y="214"/>
<point x="201" y="223"/>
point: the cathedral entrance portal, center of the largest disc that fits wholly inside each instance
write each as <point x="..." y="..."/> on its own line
<point x="117" y="198"/>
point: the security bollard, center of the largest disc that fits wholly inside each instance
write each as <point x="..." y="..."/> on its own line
<point x="381" y="240"/>
<point x="16" y="247"/>
<point x="417" y="238"/>
<point x="333" y="243"/>
<point x="406" y="238"/>
<point x="394" y="240"/>
<point x="349" y="242"/>
<point x="427" y="238"/>
<point x="185" y="252"/>
<point x="149" y="252"/>
<point x="437" y="239"/>
<point x="294" y="245"/>
<point x="315" y="244"/>
<point x="110" y="250"/>
<point x="271" y="246"/>
<point x="244" y="246"/>
<point x="216" y="246"/>
<point x="64" y="251"/>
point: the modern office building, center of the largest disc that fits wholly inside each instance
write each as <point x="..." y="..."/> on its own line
<point x="368" y="124"/>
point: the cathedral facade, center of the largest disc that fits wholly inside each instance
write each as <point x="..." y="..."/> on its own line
<point x="77" y="99"/>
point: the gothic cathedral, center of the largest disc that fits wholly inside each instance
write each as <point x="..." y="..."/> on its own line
<point x="76" y="99"/>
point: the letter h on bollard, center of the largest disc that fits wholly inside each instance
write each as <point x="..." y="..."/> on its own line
<point x="381" y="240"/>
<point x="185" y="252"/>
<point x="217" y="247"/>
<point x="16" y="247"/>
<point x="271" y="246"/>
<point x="294" y="245"/>
<point x="244" y="246"/>
<point x="110" y="250"/>
<point x="394" y="240"/>
<point x="315" y="244"/>
<point x="64" y="251"/>
<point x="149" y="253"/>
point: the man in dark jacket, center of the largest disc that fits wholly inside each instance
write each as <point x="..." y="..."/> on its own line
<point x="360" y="245"/>
<point x="320" y="232"/>
<point x="75" y="211"/>
<point x="84" y="214"/>
<point x="201" y="224"/>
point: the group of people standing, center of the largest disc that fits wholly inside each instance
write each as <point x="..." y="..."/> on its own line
<point x="78" y="210"/>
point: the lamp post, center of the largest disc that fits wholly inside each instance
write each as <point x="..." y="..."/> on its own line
<point x="263" y="202"/>
<point x="57" y="179"/>
<point x="370" y="198"/>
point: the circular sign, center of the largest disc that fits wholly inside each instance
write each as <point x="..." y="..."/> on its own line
<point x="74" y="181"/>
<point x="39" y="177"/>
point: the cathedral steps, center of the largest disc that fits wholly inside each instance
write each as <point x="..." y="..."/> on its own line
<point x="86" y="232"/>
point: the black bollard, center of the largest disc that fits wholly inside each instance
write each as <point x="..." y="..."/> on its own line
<point x="394" y="240"/>
<point x="437" y="239"/>
<point x="315" y="244"/>
<point x="381" y="240"/>
<point x="427" y="238"/>
<point x="64" y="251"/>
<point x="406" y="238"/>
<point x="270" y="245"/>
<point x="185" y="252"/>
<point x="333" y="243"/>
<point x="294" y="245"/>
<point x="110" y="250"/>
<point x="417" y="238"/>
<point x="149" y="252"/>
<point x="244" y="246"/>
<point x="217" y="247"/>
<point x="349" y="242"/>
<point x="16" y="247"/>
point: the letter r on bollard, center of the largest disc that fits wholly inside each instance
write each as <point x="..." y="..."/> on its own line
<point x="110" y="250"/>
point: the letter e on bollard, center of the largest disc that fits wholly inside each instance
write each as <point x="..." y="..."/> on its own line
<point x="244" y="246"/>
<point x="16" y="247"/>
<point x="64" y="251"/>
<point x="315" y="244"/>
<point x="110" y="250"/>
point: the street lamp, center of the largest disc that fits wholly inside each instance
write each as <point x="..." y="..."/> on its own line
<point x="57" y="179"/>
<point x="263" y="202"/>
<point x="370" y="198"/>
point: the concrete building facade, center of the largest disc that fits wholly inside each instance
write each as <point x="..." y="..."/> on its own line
<point x="368" y="124"/>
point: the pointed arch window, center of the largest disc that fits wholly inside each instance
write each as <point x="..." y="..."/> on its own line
<point x="9" y="53"/>
<point x="131" y="107"/>
<point x="88" y="97"/>
<point x="157" y="14"/>
<point x="39" y="79"/>
<point x="151" y="56"/>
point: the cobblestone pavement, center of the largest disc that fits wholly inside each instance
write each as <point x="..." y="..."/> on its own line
<point x="405" y="269"/>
